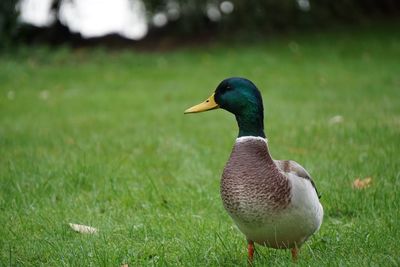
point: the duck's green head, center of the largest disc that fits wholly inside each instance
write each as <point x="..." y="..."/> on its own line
<point x="240" y="97"/>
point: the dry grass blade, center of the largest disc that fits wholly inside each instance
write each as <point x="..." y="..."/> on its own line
<point x="362" y="183"/>
<point x="336" y="119"/>
<point x="83" y="229"/>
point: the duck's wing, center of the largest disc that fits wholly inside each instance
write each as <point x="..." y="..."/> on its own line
<point x="290" y="166"/>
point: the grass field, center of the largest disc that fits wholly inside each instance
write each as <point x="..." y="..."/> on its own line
<point x="98" y="137"/>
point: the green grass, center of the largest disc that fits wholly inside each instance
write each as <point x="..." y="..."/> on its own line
<point x="99" y="138"/>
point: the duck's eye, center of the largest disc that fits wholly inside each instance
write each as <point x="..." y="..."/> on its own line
<point x="207" y="100"/>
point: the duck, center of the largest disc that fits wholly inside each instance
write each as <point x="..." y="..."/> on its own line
<point x="274" y="203"/>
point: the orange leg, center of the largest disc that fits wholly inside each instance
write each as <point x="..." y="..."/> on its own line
<point x="295" y="253"/>
<point x="250" y="249"/>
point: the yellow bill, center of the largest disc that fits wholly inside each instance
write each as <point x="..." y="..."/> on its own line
<point x="204" y="106"/>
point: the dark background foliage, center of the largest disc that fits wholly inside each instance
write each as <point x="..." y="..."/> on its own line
<point x="250" y="17"/>
<point x="8" y="22"/>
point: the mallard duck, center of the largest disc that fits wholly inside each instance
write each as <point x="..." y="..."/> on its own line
<point x="274" y="203"/>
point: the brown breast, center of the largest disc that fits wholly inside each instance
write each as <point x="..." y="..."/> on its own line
<point x="251" y="185"/>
